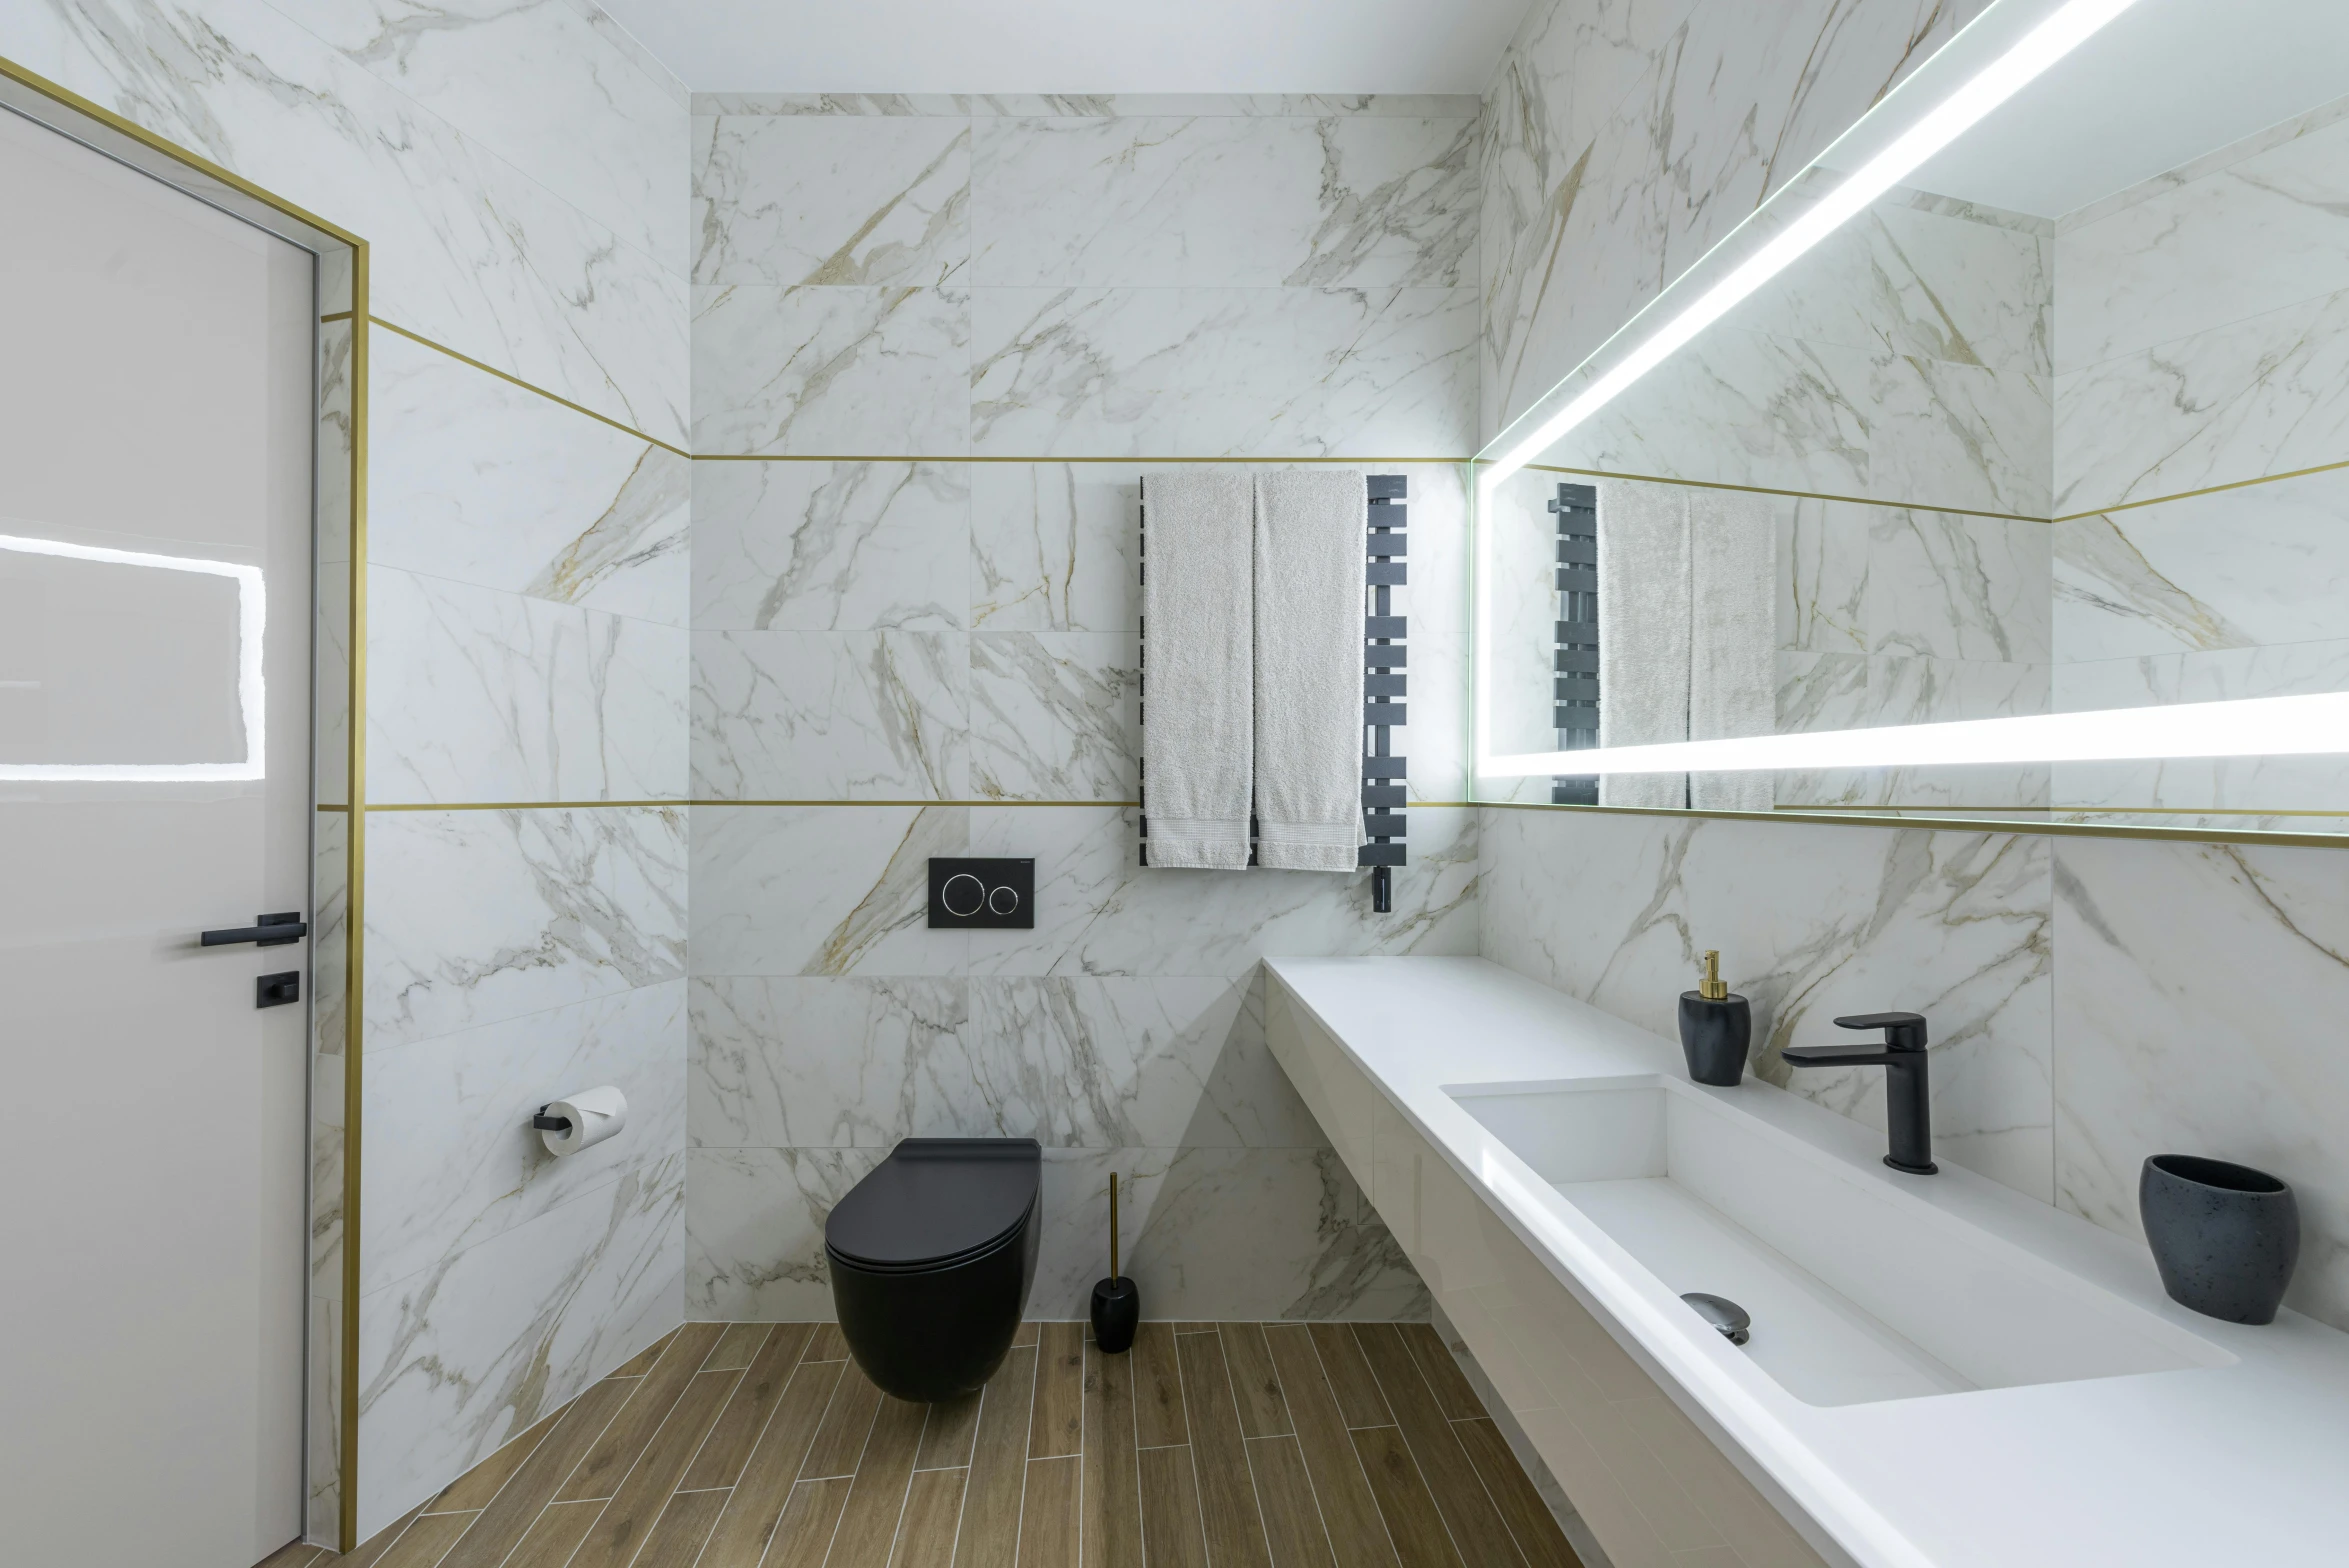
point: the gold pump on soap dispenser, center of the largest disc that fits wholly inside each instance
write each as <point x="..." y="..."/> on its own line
<point x="1716" y="1028"/>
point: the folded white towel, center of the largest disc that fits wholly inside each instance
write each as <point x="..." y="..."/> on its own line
<point x="1643" y="633"/>
<point x="1733" y="638"/>
<point x="1309" y="540"/>
<point x="1198" y="731"/>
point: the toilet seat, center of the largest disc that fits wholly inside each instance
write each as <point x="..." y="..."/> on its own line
<point x="935" y="1202"/>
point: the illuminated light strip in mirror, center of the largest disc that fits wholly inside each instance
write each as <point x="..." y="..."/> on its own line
<point x="252" y="621"/>
<point x="2005" y="76"/>
<point x="2247" y="727"/>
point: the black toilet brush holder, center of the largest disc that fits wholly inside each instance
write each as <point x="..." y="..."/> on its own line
<point x="2225" y="1237"/>
<point x="1117" y="1305"/>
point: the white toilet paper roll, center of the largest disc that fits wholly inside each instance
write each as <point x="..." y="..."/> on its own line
<point x="594" y="1115"/>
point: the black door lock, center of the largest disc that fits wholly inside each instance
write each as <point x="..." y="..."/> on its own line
<point x="277" y="990"/>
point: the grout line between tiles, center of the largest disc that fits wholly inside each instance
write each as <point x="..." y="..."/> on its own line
<point x="1417" y="1463"/>
<point x="1255" y="1487"/>
<point x="1355" y="1453"/>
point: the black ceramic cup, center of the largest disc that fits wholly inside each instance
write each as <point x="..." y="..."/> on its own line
<point x="2225" y="1237"/>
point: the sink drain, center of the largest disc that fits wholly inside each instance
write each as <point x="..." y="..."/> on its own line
<point x="1732" y="1320"/>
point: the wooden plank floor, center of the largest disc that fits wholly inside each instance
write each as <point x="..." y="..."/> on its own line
<point x="1231" y="1445"/>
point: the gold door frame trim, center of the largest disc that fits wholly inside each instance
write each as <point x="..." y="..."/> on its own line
<point x="114" y="136"/>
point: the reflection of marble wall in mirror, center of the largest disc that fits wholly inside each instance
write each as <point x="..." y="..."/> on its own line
<point x="2202" y="339"/>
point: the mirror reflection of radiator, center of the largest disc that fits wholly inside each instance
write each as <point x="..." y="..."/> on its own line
<point x="1575" y="666"/>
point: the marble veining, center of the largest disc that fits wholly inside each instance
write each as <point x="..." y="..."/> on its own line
<point x="1145" y="202"/>
<point x="1054" y="547"/>
<point x="603" y="132"/>
<point x="455" y="1360"/>
<point x="2192" y="975"/>
<point x="822" y="890"/>
<point x="781" y="715"/>
<point x="451" y="1158"/>
<point x="477" y="694"/>
<point x="468" y="250"/>
<point x="1811" y="923"/>
<point x="1073" y="1062"/>
<point x="479" y="481"/>
<point x="559" y="906"/>
<point x="832" y="371"/>
<point x="1054" y="716"/>
<point x="788" y="200"/>
<point x="1218" y="372"/>
<point x="831" y="546"/>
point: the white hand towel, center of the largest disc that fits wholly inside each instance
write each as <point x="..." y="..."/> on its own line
<point x="1198" y="731"/>
<point x="1643" y="633"/>
<point x="1310" y="525"/>
<point x="1733" y="638"/>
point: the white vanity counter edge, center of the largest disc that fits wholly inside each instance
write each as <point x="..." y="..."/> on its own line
<point x="2232" y="1463"/>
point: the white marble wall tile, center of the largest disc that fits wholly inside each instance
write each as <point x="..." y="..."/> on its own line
<point x="1100" y="913"/>
<point x="847" y="372"/>
<point x="951" y="105"/>
<point x="1054" y="716"/>
<point x="2256" y="397"/>
<point x="1932" y="284"/>
<point x="451" y="1157"/>
<point x="2264" y="564"/>
<point x="1146" y="202"/>
<point x="811" y="546"/>
<point x="478" y="916"/>
<point x="2255" y="235"/>
<point x="1080" y="1062"/>
<point x="474" y="1350"/>
<point x="822" y="890"/>
<point x="467" y="249"/>
<point x="831" y="715"/>
<point x="602" y="128"/>
<point x="2193" y="977"/>
<point x="1054" y="547"/>
<point x="479" y="481"/>
<point x="1946" y="586"/>
<point x="1210" y="1234"/>
<point x="1781" y="413"/>
<point x="786" y="200"/>
<point x="1835" y="691"/>
<point x="754" y="1230"/>
<point x="1823" y="599"/>
<point x="1196" y="372"/>
<point x="1812" y="922"/>
<point x="1435" y="739"/>
<point x="478" y="695"/>
<point x="1625" y="138"/>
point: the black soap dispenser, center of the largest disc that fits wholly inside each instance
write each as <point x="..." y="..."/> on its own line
<point x="1715" y="1028"/>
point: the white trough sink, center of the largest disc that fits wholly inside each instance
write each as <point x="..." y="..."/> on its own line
<point x="1858" y="1291"/>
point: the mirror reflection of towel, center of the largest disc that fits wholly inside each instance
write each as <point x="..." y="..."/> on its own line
<point x="1687" y="634"/>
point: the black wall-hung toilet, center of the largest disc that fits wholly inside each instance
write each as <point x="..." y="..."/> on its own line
<point x="931" y="1256"/>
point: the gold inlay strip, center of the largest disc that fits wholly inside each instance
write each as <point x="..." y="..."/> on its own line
<point x="334" y="316"/>
<point x="1800" y="495"/>
<point x="1955" y="824"/>
<point x="355" y="906"/>
<point x="2106" y="811"/>
<point x="513" y="380"/>
<point x="902" y="457"/>
<point x="617" y="805"/>
<point x="2188" y="495"/>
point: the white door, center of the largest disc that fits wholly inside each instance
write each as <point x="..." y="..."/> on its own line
<point x="155" y="601"/>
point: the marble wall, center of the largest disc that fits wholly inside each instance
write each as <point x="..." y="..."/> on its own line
<point x="2201" y="321"/>
<point x="519" y="169"/>
<point x="936" y="344"/>
<point x="2093" y="1001"/>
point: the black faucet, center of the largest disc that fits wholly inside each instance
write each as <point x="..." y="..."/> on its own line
<point x="1907" y="1104"/>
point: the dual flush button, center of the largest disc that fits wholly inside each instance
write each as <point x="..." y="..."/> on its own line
<point x="982" y="894"/>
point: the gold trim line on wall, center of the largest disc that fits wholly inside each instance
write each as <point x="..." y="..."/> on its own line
<point x="906" y="457"/>
<point x="514" y="380"/>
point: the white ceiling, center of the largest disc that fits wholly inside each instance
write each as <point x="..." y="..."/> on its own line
<point x="1076" y="46"/>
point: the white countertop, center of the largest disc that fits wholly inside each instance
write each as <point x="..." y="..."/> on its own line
<point x="2240" y="1464"/>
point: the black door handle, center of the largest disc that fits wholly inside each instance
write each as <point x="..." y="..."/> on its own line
<point x="267" y="931"/>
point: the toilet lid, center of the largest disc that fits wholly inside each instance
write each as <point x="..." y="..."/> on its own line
<point x="935" y="1199"/>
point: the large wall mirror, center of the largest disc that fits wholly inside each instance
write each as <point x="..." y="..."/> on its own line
<point x="1997" y="468"/>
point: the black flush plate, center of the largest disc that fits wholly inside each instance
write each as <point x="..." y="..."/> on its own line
<point x="972" y="895"/>
<point x="277" y="990"/>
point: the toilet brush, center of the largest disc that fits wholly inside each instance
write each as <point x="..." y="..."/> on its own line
<point x="1117" y="1305"/>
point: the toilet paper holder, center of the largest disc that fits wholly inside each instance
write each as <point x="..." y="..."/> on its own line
<point x="572" y="1122"/>
<point x="542" y="1122"/>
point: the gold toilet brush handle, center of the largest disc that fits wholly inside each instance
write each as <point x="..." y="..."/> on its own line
<point x="1113" y="1274"/>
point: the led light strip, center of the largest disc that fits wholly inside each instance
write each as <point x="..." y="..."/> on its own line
<point x="2039" y="49"/>
<point x="252" y="696"/>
